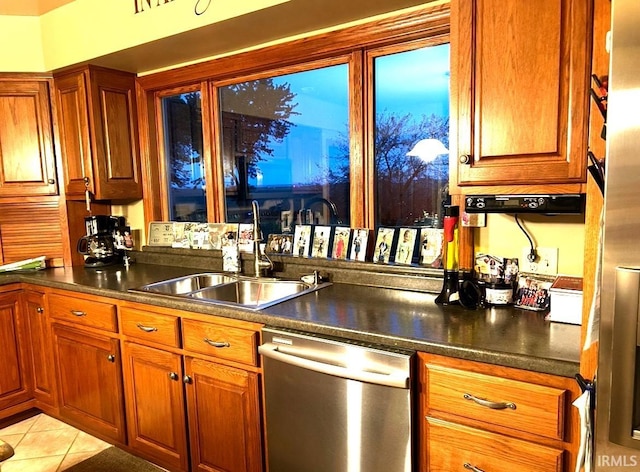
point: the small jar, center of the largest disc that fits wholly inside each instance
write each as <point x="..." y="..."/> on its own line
<point x="498" y="293"/>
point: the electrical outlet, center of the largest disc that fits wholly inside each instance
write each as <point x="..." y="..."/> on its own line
<point x="546" y="263"/>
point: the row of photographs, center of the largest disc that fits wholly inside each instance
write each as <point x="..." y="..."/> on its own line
<point x="179" y="234"/>
<point x="391" y="245"/>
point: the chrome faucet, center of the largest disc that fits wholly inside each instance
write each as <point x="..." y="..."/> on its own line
<point x="261" y="262"/>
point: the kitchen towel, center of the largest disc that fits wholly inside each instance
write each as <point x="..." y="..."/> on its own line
<point x="584" y="459"/>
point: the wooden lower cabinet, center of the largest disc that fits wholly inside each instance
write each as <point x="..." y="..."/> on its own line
<point x="224" y="417"/>
<point x="192" y="390"/>
<point x="41" y="350"/>
<point x="90" y="381"/>
<point x="15" y="372"/>
<point x="456" y="447"/>
<point x="482" y="417"/>
<point x="156" y="421"/>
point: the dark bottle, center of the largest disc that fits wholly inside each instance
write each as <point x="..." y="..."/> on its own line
<point x="449" y="294"/>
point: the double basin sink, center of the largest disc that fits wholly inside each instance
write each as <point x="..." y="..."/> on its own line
<point x="254" y="293"/>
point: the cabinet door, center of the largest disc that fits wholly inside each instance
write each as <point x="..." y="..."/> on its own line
<point x="27" y="161"/>
<point x="116" y="160"/>
<point x="98" y="133"/>
<point x="224" y="418"/>
<point x="154" y="395"/>
<point x="39" y="336"/>
<point x="520" y="88"/>
<point x="15" y="385"/>
<point x="73" y="123"/>
<point x="90" y="381"/>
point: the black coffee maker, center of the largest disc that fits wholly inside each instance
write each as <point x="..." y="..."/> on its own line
<point x="101" y="245"/>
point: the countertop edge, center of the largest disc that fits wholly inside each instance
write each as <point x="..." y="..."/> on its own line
<point x="558" y="367"/>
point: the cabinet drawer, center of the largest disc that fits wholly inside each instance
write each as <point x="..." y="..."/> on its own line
<point x="522" y="406"/>
<point x="234" y="344"/>
<point x="152" y="327"/>
<point x="84" y="312"/>
<point x="451" y="447"/>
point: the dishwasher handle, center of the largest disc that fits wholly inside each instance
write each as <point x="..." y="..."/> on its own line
<point x="395" y="379"/>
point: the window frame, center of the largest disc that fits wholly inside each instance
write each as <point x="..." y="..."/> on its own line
<point x="370" y="55"/>
<point x="354" y="45"/>
<point x="215" y="85"/>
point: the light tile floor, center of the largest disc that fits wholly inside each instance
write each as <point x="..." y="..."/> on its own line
<point x="44" y="444"/>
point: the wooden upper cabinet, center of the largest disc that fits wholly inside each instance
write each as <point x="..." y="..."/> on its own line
<point x="98" y="133"/>
<point x="520" y="90"/>
<point x="27" y="159"/>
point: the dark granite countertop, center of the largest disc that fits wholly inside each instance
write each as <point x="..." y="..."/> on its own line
<point x="388" y="317"/>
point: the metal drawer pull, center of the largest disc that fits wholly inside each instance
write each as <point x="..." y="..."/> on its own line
<point x="472" y="467"/>
<point x="490" y="404"/>
<point x="40" y="310"/>
<point x="147" y="329"/>
<point x="216" y="343"/>
<point x="173" y="376"/>
<point x="111" y="358"/>
<point x="78" y="313"/>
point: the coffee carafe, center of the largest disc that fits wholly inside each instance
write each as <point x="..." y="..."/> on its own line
<point x="99" y="245"/>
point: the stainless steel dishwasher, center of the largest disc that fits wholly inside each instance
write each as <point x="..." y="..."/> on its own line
<point x="334" y="406"/>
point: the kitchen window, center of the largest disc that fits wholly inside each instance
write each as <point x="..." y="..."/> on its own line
<point x="285" y="142"/>
<point x="345" y="128"/>
<point x="184" y="164"/>
<point x="411" y="134"/>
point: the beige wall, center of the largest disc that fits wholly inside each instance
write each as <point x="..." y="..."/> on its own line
<point x="502" y="237"/>
<point x="86" y="29"/>
<point x="21" y="41"/>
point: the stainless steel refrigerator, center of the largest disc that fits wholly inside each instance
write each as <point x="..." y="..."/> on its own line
<point x="617" y="419"/>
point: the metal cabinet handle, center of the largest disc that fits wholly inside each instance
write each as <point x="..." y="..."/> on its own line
<point x="78" y="313"/>
<point x="472" y="467"/>
<point x="173" y="376"/>
<point x="51" y="181"/>
<point x="111" y="358"/>
<point x="187" y="379"/>
<point x="147" y="329"/>
<point x="490" y="404"/>
<point x="40" y="310"/>
<point x="465" y="159"/>
<point x="217" y="344"/>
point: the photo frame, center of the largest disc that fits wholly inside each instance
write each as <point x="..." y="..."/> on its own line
<point x="279" y="244"/>
<point x="301" y="240"/>
<point x="245" y="237"/>
<point x="340" y="246"/>
<point x="359" y="240"/>
<point x="533" y="292"/>
<point x="198" y="235"/>
<point x="216" y="232"/>
<point x="431" y="247"/>
<point x="406" y="245"/>
<point x="160" y="233"/>
<point x="384" y="241"/>
<point x="320" y="245"/>
<point x="180" y="237"/>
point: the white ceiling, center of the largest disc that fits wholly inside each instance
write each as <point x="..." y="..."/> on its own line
<point x="29" y="7"/>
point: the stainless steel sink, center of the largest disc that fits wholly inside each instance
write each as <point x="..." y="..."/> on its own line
<point x="188" y="283"/>
<point x="253" y="293"/>
<point x="223" y="289"/>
